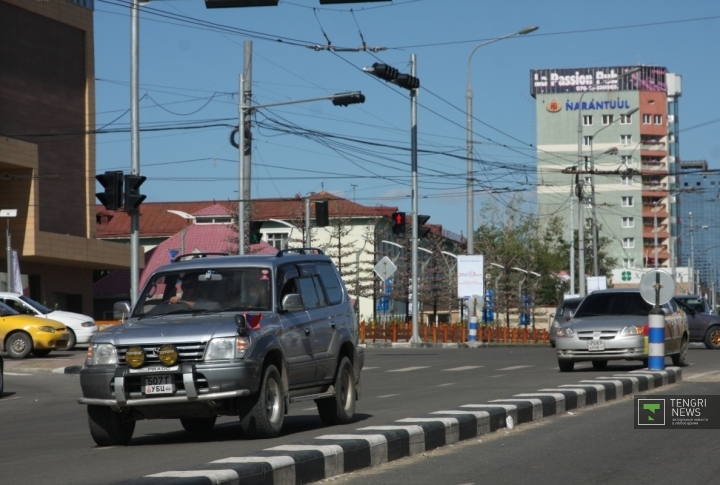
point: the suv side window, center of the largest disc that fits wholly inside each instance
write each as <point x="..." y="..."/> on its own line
<point x="330" y="281"/>
<point x="309" y="291"/>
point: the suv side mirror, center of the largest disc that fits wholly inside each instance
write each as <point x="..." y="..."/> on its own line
<point x="293" y="303"/>
<point x="121" y="310"/>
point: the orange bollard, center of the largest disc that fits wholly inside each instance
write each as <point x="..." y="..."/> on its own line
<point x="424" y="337"/>
<point x="434" y="334"/>
<point x="505" y="335"/>
<point x="394" y="332"/>
<point x="362" y="332"/>
<point x="464" y="334"/>
<point x="525" y="335"/>
<point x="444" y="334"/>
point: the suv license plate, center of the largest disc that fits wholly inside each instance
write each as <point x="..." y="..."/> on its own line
<point x="158" y="385"/>
<point x="596" y="345"/>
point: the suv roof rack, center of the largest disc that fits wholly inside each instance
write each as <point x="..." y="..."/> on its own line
<point x="180" y="257"/>
<point x="282" y="252"/>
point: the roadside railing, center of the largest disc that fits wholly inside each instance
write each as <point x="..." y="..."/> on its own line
<point x="447" y="333"/>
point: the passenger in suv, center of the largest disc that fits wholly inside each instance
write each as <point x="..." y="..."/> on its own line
<point x="254" y="334"/>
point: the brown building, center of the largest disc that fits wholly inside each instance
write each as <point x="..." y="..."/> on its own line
<point x="47" y="150"/>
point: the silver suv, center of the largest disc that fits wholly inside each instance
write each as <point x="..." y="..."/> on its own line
<point x="227" y="336"/>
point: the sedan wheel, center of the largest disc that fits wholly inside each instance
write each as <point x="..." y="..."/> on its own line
<point x="19" y="345"/>
<point x="680" y="359"/>
<point x="566" y="365"/>
<point x="712" y="338"/>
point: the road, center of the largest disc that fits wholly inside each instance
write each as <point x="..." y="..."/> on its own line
<point x="46" y="439"/>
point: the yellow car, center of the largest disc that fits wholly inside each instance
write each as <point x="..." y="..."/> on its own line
<point x="22" y="334"/>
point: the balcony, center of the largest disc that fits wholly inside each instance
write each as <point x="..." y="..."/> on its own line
<point x="662" y="232"/>
<point x="651" y="210"/>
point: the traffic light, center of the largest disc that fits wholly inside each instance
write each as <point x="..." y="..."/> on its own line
<point x="112" y="182"/>
<point x="390" y="74"/>
<point x="423" y="231"/>
<point x="255" y="234"/>
<point x="398" y="227"/>
<point x="344" y="99"/>
<point x="322" y="218"/>
<point x="133" y="197"/>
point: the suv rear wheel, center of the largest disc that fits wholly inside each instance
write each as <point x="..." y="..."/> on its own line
<point x="262" y="414"/>
<point x="600" y="364"/>
<point x="712" y="338"/>
<point x="340" y="408"/>
<point x="566" y="365"/>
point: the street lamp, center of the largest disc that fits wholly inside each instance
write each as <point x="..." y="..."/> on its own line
<point x="581" y="207"/>
<point x="469" y="97"/>
<point x="8" y="213"/>
<point x="520" y="292"/>
<point x="190" y="219"/>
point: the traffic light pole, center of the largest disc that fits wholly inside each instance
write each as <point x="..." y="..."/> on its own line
<point x="134" y="145"/>
<point x="414" y="180"/>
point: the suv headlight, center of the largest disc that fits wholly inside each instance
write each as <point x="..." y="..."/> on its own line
<point x="226" y="348"/>
<point x="631" y="330"/>
<point x="101" y="354"/>
<point x="566" y="332"/>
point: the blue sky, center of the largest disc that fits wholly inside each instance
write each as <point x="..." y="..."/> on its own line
<point x="191" y="57"/>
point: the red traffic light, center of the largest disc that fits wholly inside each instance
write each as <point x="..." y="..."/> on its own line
<point x="398" y="219"/>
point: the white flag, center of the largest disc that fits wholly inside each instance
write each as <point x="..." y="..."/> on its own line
<point x="17" y="285"/>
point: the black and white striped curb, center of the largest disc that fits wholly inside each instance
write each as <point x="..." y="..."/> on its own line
<point x="334" y="454"/>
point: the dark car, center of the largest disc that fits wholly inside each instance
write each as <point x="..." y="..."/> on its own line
<point x="704" y="327"/>
<point x="241" y="336"/>
<point x="563" y="314"/>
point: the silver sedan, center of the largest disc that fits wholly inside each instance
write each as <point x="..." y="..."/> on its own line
<point x="611" y="325"/>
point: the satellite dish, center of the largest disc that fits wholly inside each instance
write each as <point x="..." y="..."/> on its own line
<point x="657" y="286"/>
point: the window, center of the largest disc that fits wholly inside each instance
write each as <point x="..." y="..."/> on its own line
<point x="627" y="180"/>
<point x="625" y="119"/>
<point x="607" y="119"/>
<point x="658" y="119"/>
<point x="628" y="222"/>
<point x="628" y="242"/>
<point x="309" y="293"/>
<point x="587" y="120"/>
<point x="278" y="240"/>
<point x="625" y="139"/>
<point x="628" y="262"/>
<point x="587" y="140"/>
<point x="627" y="160"/>
<point x="628" y="201"/>
<point x="333" y="287"/>
<point x="646" y="119"/>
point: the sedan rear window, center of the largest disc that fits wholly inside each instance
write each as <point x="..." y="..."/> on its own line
<point x="613" y="304"/>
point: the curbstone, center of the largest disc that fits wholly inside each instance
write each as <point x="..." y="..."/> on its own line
<point x="334" y="454"/>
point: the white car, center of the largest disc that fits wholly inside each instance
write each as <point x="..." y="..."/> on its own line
<point x="82" y="328"/>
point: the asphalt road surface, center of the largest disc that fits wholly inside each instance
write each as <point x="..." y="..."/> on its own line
<point x="45" y="437"/>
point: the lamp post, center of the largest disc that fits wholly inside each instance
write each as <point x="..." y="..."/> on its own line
<point x="7" y="214"/>
<point x="593" y="206"/>
<point x="581" y="207"/>
<point x="520" y="293"/>
<point x="469" y="97"/>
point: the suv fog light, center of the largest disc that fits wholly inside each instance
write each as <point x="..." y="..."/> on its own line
<point x="168" y="355"/>
<point x="135" y="357"/>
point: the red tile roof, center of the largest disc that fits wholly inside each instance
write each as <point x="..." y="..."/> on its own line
<point x="156" y="221"/>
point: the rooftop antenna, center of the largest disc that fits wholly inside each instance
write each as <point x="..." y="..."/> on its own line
<point x="353" y="187"/>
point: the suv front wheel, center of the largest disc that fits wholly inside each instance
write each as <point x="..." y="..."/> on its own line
<point x="340" y="408"/>
<point x="262" y="415"/>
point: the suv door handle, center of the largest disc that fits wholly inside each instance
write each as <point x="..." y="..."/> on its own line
<point x="307" y="330"/>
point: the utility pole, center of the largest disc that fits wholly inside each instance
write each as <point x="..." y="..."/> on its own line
<point x="414" y="179"/>
<point x="134" y="144"/>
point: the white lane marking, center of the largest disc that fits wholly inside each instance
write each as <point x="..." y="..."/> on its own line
<point x="447" y="384"/>
<point x="5" y="399"/>
<point x="499" y="375"/>
<point x="388" y="395"/>
<point x="515" y="367"/>
<point x="696" y="376"/>
<point x="369" y="368"/>
<point x="16" y="374"/>
<point x="465" y="367"/>
<point x="408" y="369"/>
<point x="309" y="409"/>
<point x="217" y="476"/>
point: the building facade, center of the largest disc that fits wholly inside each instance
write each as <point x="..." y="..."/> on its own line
<point x="47" y="151"/>
<point x="603" y="154"/>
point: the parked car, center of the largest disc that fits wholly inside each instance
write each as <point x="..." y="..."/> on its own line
<point x="704" y="327"/>
<point x="22" y="334"/>
<point x="82" y="328"/>
<point x="563" y="314"/>
<point x="612" y="324"/>
<point x="238" y="336"/>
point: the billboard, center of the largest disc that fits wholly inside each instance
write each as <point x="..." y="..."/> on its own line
<point x="470" y="275"/>
<point x="649" y="78"/>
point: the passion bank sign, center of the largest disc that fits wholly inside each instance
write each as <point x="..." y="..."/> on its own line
<point x="648" y="78"/>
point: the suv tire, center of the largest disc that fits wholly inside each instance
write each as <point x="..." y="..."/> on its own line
<point x="340" y="408"/>
<point x="680" y="359"/>
<point x="712" y="338"/>
<point x="198" y="426"/>
<point x="566" y="365"/>
<point x="109" y="428"/>
<point x="262" y="414"/>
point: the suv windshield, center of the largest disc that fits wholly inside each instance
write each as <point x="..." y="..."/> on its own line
<point x="221" y="289"/>
<point x="621" y="303"/>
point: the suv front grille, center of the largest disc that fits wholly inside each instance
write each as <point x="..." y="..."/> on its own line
<point x="189" y="352"/>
